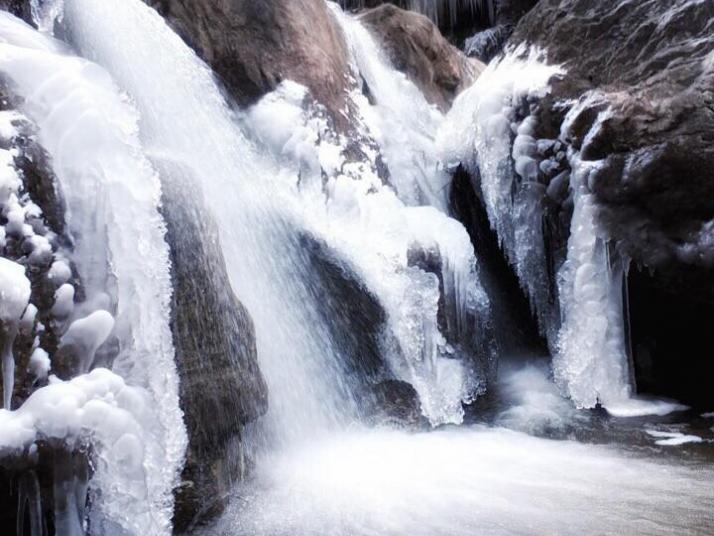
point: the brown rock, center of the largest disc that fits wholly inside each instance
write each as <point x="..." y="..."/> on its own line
<point x="417" y="48"/>
<point x="254" y="45"/>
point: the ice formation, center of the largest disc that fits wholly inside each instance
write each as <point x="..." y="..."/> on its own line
<point x="591" y="362"/>
<point x="84" y="336"/>
<point x="101" y="409"/>
<point x="89" y="129"/>
<point x="483" y="131"/>
<point x="673" y="439"/>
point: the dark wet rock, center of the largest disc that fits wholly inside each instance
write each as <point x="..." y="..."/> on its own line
<point x="221" y="387"/>
<point x="417" y="48"/>
<point x="650" y="64"/>
<point x="357" y="323"/>
<point x="396" y="403"/>
<point x="19" y="8"/>
<point x="352" y="313"/>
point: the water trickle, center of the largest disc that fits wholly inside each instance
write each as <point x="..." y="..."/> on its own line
<point x="444" y="13"/>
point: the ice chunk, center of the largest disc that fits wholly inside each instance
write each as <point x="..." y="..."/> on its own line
<point x="86" y="335"/>
<point x="28" y="318"/>
<point x="59" y="273"/>
<point x="64" y="301"/>
<point x="7" y="129"/>
<point x="39" y="364"/>
<point x="640" y="407"/>
<point x="40" y="250"/>
<point x="673" y="439"/>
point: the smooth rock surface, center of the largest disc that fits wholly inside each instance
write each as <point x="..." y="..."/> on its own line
<point x="221" y="387"/>
<point x="416" y="47"/>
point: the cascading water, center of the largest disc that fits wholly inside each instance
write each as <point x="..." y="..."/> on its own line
<point x="185" y="120"/>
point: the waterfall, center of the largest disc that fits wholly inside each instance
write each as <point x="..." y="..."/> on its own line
<point x="401" y="120"/>
<point x="405" y="125"/>
<point x="319" y="227"/>
<point x="89" y="130"/>
<point x="186" y="121"/>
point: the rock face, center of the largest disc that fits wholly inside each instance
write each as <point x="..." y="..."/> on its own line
<point x="356" y="328"/>
<point x="656" y="143"/>
<point x="651" y="65"/>
<point x="253" y="46"/>
<point x="638" y="91"/>
<point x="416" y="47"/>
<point x="221" y="387"/>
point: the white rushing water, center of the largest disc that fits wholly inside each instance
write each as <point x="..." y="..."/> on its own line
<point x="186" y="121"/>
<point x="461" y="482"/>
<point x="89" y="130"/>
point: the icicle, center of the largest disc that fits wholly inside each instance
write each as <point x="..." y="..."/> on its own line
<point x="29" y="505"/>
<point x="14" y="298"/>
<point x="444" y="13"/>
<point x="591" y="363"/>
<point x="68" y="514"/>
